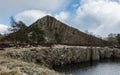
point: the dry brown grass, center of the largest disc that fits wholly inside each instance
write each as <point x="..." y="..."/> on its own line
<point x="10" y="72"/>
<point x="9" y="66"/>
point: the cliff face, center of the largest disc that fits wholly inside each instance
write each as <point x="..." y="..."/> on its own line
<point x="64" y="55"/>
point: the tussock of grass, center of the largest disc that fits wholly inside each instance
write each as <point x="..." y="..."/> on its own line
<point x="10" y="72"/>
<point x="16" y="67"/>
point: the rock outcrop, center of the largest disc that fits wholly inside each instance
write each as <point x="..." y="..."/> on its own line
<point x="9" y="66"/>
<point x="116" y="53"/>
<point x="64" y="55"/>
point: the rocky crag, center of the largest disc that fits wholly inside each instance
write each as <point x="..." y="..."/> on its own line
<point x="51" y="57"/>
<point x="50" y="30"/>
<point x="41" y="60"/>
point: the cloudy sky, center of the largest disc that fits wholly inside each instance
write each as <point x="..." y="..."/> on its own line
<point x="98" y="16"/>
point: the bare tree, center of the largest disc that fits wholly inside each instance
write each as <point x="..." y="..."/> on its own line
<point x="14" y="24"/>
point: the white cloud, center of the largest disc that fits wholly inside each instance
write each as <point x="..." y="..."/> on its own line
<point x="3" y="28"/>
<point x="30" y="16"/>
<point x="99" y="16"/>
<point x="62" y="16"/>
<point x="12" y="7"/>
<point x="18" y="5"/>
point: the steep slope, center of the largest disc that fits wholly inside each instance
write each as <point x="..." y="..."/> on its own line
<point x="50" y="30"/>
<point x="58" y="32"/>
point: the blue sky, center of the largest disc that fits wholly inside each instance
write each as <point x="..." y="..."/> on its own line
<point x="100" y="17"/>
